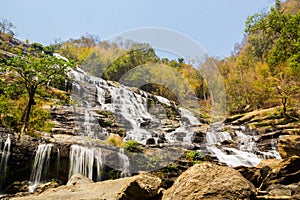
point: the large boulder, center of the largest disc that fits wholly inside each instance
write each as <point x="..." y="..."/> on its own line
<point x="289" y="146"/>
<point x="143" y="186"/>
<point x="210" y="181"/>
<point x="286" y="172"/>
<point x="78" y="179"/>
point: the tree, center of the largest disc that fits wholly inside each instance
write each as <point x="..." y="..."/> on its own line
<point x="274" y="36"/>
<point x="6" y="27"/>
<point x="34" y="73"/>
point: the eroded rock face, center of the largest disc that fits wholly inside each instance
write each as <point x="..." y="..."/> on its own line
<point x="289" y="146"/>
<point x="274" y="178"/>
<point x="142" y="186"/>
<point x="285" y="173"/>
<point x="210" y="181"/>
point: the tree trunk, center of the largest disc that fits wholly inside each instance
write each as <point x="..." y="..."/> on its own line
<point x="284" y="103"/>
<point x="27" y="113"/>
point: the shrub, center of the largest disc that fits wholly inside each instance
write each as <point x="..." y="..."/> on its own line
<point x="48" y="50"/>
<point x="193" y="155"/>
<point x="132" y="145"/>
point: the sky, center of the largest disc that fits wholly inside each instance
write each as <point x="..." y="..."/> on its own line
<point x="217" y="25"/>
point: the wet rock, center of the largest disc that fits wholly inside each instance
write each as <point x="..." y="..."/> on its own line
<point x="210" y="181"/>
<point x="289" y="146"/>
<point x="150" y="141"/>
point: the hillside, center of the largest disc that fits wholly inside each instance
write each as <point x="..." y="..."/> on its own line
<point x="82" y="119"/>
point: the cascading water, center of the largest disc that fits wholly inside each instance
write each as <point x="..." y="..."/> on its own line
<point x="125" y="164"/>
<point x="99" y="162"/>
<point x="40" y="165"/>
<point x="187" y="120"/>
<point x="4" y="158"/>
<point x="58" y="162"/>
<point x="245" y="151"/>
<point x="133" y="108"/>
<point x="81" y="161"/>
<point x="131" y="111"/>
<point x="88" y="120"/>
<point x="5" y="153"/>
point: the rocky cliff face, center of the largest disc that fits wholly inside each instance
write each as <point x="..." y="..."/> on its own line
<point x="101" y="109"/>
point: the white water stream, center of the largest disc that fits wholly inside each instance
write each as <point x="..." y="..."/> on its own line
<point x="40" y="165"/>
<point x="4" y="158"/>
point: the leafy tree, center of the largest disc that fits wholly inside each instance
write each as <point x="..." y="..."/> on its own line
<point x="33" y="73"/>
<point x="274" y="37"/>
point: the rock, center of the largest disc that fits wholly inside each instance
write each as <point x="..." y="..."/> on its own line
<point x="115" y="139"/>
<point x="286" y="172"/>
<point x="289" y="146"/>
<point x="43" y="187"/>
<point x="269" y="162"/>
<point x="78" y="179"/>
<point x="142" y="186"/>
<point x="250" y="173"/>
<point x="280" y="190"/>
<point x="210" y="181"/>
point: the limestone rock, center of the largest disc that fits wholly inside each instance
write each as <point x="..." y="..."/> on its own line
<point x="78" y="179"/>
<point x="289" y="146"/>
<point x="142" y="186"/>
<point x="286" y="172"/>
<point x="210" y="181"/>
<point x="43" y="187"/>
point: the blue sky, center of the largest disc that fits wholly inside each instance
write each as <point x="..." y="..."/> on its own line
<point x="215" y="24"/>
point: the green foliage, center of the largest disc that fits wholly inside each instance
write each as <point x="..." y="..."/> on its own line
<point x="48" y="49"/>
<point x="171" y="168"/>
<point x="37" y="46"/>
<point x="274" y="36"/>
<point x="78" y="49"/>
<point x="40" y="120"/>
<point x="132" y="145"/>
<point x="265" y="72"/>
<point x="193" y="155"/>
<point x="136" y="56"/>
<point x="29" y="75"/>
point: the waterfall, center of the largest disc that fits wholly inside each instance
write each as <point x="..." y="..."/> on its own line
<point x="124" y="163"/>
<point x="81" y="161"/>
<point x="143" y="122"/>
<point x="5" y="152"/>
<point x="41" y="162"/>
<point x="243" y="150"/>
<point x="130" y="109"/>
<point x="133" y="108"/>
<point x="4" y="158"/>
<point x="99" y="163"/>
<point x="88" y="119"/>
<point x="188" y="115"/>
<point x="58" y="162"/>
